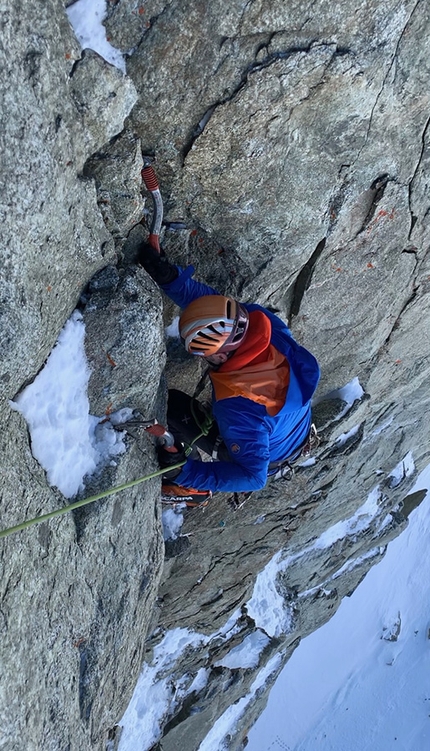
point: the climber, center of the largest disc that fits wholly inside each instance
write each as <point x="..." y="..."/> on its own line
<point x="262" y="384"/>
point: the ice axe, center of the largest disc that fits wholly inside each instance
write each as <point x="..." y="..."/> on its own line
<point x="163" y="436"/>
<point x="151" y="183"/>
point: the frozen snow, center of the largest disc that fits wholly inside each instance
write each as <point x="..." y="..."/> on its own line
<point x="172" y="519"/>
<point x="405" y="468"/>
<point x="348" y="687"/>
<point x="267" y="606"/>
<point x="344" y="437"/>
<point x="355" y="524"/>
<point x="172" y="330"/>
<point x="156" y="694"/>
<point x="216" y="739"/>
<point x="385" y="425"/>
<point x="86" y="17"/>
<point x="66" y="440"/>
<point x="246" y="654"/>
<point x="154" y="697"/>
<point x="349" y="394"/>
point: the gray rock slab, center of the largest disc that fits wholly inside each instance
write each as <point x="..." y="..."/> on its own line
<point x="70" y="590"/>
<point x="54" y="238"/>
<point x="124" y="341"/>
<point x="116" y="170"/>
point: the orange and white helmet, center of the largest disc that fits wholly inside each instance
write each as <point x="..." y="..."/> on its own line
<point x="213" y="324"/>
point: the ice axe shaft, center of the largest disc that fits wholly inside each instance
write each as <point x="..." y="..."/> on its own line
<point x="151" y="183"/>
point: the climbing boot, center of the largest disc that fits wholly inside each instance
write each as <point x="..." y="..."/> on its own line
<point x="172" y="493"/>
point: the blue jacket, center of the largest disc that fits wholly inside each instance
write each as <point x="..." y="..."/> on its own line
<point x="252" y="437"/>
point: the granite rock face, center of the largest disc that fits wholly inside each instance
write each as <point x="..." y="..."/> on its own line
<point x="51" y="123"/>
<point x="292" y="148"/>
<point x="124" y="340"/>
<point x="68" y="588"/>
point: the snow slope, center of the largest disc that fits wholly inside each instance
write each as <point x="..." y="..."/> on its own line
<point x="362" y="681"/>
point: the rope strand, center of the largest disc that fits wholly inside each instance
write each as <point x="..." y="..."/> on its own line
<point x="204" y="426"/>
<point x="83" y="502"/>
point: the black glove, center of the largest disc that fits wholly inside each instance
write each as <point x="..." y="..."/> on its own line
<point x="167" y="459"/>
<point x="156" y="264"/>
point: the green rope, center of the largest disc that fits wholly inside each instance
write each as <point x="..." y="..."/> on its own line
<point x="204" y="426"/>
<point x="207" y="423"/>
<point x="84" y="501"/>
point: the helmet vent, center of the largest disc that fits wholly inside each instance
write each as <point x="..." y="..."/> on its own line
<point x="202" y="335"/>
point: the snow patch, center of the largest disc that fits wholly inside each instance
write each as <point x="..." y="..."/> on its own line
<point x="172" y="520"/>
<point x="216" y="740"/>
<point x="247" y="654"/>
<point x="156" y="694"/>
<point x="230" y="628"/>
<point x="66" y="440"/>
<point x="172" y="330"/>
<point x="355" y="524"/>
<point x="385" y="425"/>
<point x="86" y="17"/>
<point x="344" y="437"/>
<point x="347" y="567"/>
<point x="405" y="468"/>
<point x="308" y="462"/>
<point x="350" y="393"/>
<point x="267" y="605"/>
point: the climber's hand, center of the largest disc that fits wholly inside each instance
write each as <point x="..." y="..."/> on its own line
<point x="168" y="459"/>
<point x="156" y="264"/>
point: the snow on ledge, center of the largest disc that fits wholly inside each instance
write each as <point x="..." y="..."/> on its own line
<point x="267" y="605"/>
<point x="154" y="698"/>
<point x="86" y="17"/>
<point x="344" y="437"/>
<point x="350" y="393"/>
<point x="405" y="468"/>
<point x="66" y="440"/>
<point x="172" y="330"/>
